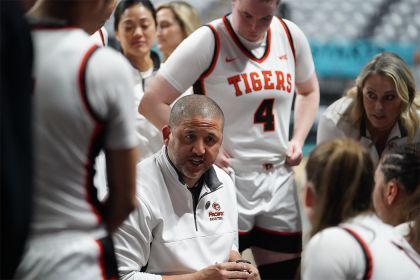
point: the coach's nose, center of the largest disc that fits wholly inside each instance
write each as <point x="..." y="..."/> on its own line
<point x="199" y="147"/>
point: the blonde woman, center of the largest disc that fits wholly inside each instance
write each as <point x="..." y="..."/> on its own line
<point x="381" y="111"/>
<point x="176" y="20"/>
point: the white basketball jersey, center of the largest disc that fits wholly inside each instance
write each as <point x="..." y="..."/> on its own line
<point x="67" y="133"/>
<point x="387" y="255"/>
<point x="100" y="37"/>
<point x="255" y="93"/>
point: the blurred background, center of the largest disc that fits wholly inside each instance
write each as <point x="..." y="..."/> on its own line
<point x="343" y="35"/>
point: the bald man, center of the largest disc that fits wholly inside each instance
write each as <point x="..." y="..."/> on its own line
<point x="82" y="104"/>
<point x="186" y="222"/>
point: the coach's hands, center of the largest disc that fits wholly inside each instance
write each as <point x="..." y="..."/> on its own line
<point x="228" y="270"/>
<point x="294" y="153"/>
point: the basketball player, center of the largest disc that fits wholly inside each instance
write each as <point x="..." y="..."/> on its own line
<point x="81" y="103"/>
<point x="251" y="63"/>
<point x="100" y="37"/>
<point x="348" y="240"/>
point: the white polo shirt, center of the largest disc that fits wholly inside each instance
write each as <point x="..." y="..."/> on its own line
<point x="335" y="124"/>
<point x="164" y="235"/>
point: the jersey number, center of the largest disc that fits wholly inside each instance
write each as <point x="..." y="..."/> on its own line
<point x="264" y="114"/>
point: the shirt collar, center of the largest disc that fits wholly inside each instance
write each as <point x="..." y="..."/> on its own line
<point x="398" y="131"/>
<point x="209" y="177"/>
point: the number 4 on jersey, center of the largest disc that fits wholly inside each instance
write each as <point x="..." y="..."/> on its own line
<point x="264" y="114"/>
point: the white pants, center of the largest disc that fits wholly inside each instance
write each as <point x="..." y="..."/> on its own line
<point x="63" y="256"/>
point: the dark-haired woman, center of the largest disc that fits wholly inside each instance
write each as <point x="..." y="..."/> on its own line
<point x="135" y="28"/>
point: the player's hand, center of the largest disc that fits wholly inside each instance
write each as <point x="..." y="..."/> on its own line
<point x="222" y="160"/>
<point x="294" y="153"/>
<point x="228" y="270"/>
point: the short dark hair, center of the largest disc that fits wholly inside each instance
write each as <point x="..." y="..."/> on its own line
<point x="125" y="4"/>
<point x="403" y="165"/>
<point x="194" y="105"/>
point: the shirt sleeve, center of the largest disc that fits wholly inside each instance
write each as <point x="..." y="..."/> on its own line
<point x="332" y="124"/>
<point x="333" y="254"/>
<point x="132" y="243"/>
<point x="193" y="56"/>
<point x="229" y="185"/>
<point x="326" y="130"/>
<point x="110" y="89"/>
<point x="305" y="66"/>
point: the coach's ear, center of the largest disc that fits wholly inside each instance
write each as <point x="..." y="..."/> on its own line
<point x="166" y="132"/>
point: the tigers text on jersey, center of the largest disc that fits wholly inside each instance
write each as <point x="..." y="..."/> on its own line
<point x="253" y="83"/>
<point x="259" y="89"/>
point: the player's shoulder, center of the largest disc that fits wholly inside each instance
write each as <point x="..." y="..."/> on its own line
<point x="110" y="63"/>
<point x="109" y="55"/>
<point x="290" y="24"/>
<point x="339" y="107"/>
<point x="331" y="239"/>
<point x="215" y="23"/>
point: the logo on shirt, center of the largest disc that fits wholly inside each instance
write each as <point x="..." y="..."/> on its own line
<point x="216" y="215"/>
<point x="216" y="206"/>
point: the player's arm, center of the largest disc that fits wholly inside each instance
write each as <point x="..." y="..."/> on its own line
<point x="111" y="96"/>
<point x="132" y="241"/>
<point x="182" y="69"/>
<point x="307" y="99"/>
<point x="120" y="172"/>
<point x="306" y="107"/>
<point x="155" y="105"/>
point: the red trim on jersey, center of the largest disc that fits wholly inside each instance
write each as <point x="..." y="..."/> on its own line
<point x="96" y="135"/>
<point x="215" y="55"/>
<point x="366" y="251"/>
<point x="101" y="259"/>
<point x="407" y="254"/>
<point x="238" y="42"/>
<point x="274" y="232"/>
<point x="213" y="63"/>
<point x="89" y="176"/>
<point x="101" y="34"/>
<point x="82" y="82"/>
<point x="289" y="37"/>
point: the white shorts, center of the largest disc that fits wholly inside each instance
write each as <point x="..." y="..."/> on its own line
<point x="268" y="206"/>
<point x="64" y="256"/>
